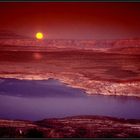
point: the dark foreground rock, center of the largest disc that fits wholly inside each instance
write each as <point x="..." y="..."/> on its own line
<point x="71" y="127"/>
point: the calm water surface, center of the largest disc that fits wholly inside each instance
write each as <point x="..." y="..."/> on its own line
<point x="35" y="100"/>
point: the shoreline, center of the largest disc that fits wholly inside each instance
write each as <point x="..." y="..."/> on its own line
<point x="111" y="88"/>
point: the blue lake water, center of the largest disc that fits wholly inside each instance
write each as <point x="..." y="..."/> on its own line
<point x="35" y="100"/>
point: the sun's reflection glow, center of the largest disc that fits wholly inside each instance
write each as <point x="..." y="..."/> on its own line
<point x="37" y="56"/>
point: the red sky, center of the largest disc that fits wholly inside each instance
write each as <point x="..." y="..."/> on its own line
<point x="85" y="20"/>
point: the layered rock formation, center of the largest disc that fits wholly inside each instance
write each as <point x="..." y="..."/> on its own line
<point x="99" y="67"/>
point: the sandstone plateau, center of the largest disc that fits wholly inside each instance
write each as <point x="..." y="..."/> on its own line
<point x="109" y="67"/>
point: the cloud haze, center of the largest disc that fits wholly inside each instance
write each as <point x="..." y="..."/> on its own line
<point x="72" y="20"/>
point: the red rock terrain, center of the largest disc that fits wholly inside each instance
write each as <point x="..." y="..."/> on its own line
<point x="97" y="73"/>
<point x="109" y="67"/>
<point x="98" y="67"/>
<point x="71" y="127"/>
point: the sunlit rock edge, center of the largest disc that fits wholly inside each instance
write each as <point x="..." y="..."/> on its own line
<point x="91" y="87"/>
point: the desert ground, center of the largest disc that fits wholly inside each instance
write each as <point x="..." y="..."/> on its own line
<point x="71" y="127"/>
<point x="96" y="72"/>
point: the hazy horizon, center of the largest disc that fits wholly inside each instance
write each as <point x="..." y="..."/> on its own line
<point x="72" y="20"/>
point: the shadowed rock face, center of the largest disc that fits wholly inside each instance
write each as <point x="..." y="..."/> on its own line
<point x="96" y="72"/>
<point x="71" y="127"/>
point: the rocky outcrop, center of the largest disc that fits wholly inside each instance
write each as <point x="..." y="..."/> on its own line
<point x="131" y="88"/>
<point x="71" y="127"/>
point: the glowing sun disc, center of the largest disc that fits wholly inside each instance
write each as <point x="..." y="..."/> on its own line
<point x="39" y="35"/>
